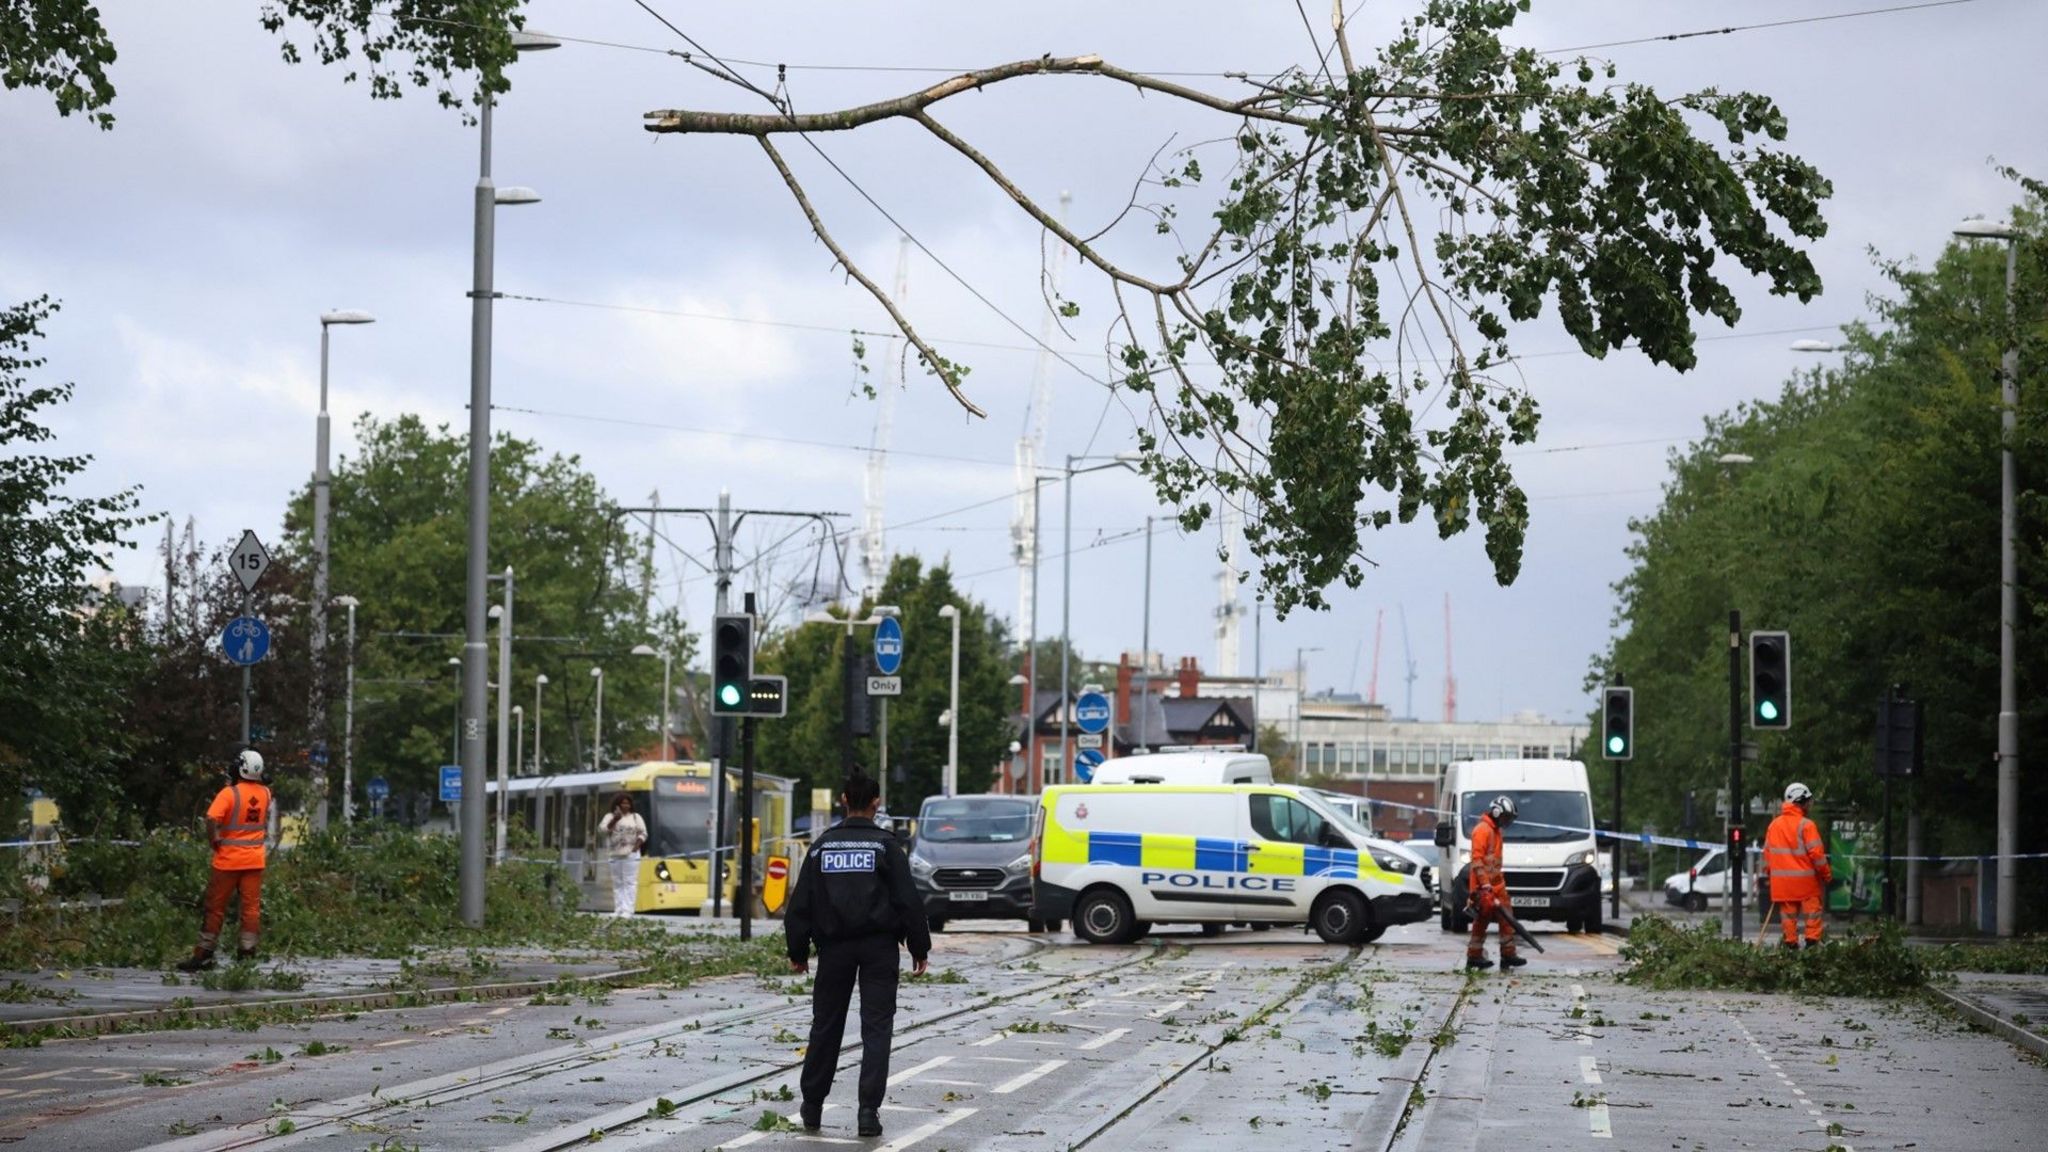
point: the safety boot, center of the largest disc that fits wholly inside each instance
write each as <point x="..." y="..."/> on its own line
<point x="1479" y="963"/>
<point x="244" y="954"/>
<point x="200" y="960"/>
<point x="1507" y="962"/>
<point x="812" y="1113"/>
<point x="870" y="1123"/>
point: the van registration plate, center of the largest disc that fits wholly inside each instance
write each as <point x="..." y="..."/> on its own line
<point x="967" y="896"/>
<point x="1530" y="901"/>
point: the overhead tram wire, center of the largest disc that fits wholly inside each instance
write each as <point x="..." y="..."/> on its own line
<point x="1733" y="28"/>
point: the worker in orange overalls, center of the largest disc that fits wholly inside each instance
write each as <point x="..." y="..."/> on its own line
<point x="1797" y="864"/>
<point x="1488" y="887"/>
<point x="237" y="821"/>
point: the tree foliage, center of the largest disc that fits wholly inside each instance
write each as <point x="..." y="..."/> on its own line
<point x="1868" y="528"/>
<point x="1326" y="347"/>
<point x="64" y="646"/>
<point x="806" y="743"/>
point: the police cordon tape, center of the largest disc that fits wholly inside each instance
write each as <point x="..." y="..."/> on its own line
<point x="1702" y="845"/>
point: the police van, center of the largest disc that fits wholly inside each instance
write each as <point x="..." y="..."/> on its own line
<point x="1115" y="859"/>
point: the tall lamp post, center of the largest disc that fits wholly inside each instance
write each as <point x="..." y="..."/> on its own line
<point x="1121" y="460"/>
<point x="481" y="295"/>
<point x="539" y="682"/>
<point x="1737" y="848"/>
<point x="1300" y="705"/>
<point x="2008" y="604"/>
<point x="321" y="484"/>
<point x="504" y="789"/>
<point x="597" y="725"/>
<point x="455" y="739"/>
<point x="648" y="650"/>
<point x="952" y="784"/>
<point x="348" y="718"/>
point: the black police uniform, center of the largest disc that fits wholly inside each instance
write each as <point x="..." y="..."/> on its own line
<point x="854" y="897"/>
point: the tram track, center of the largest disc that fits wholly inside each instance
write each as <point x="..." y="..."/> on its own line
<point x="368" y="1111"/>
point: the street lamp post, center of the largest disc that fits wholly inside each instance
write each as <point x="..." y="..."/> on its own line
<point x="2008" y="604"/>
<point x="321" y="484"/>
<point x="504" y="786"/>
<point x="348" y="718"/>
<point x="597" y="725"/>
<point x="539" y="682"/>
<point x="502" y="613"/>
<point x="1121" y="460"/>
<point x="455" y="739"/>
<point x="648" y="650"/>
<point x="952" y="784"/>
<point x="481" y="295"/>
<point x="1300" y="704"/>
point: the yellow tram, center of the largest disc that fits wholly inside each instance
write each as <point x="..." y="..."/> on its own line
<point x="675" y="799"/>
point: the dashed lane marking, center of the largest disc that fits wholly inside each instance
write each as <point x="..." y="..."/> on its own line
<point x="1026" y="1078"/>
<point x="912" y="1072"/>
<point x="1166" y="1009"/>
<point x="1578" y="991"/>
<point x="932" y="1129"/>
<point x="395" y="1043"/>
<point x="1589" y="1069"/>
<point x="1764" y="1054"/>
<point x="1596" y="1119"/>
<point x="1105" y="1040"/>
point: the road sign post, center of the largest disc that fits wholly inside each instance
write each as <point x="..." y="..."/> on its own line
<point x="248" y="561"/>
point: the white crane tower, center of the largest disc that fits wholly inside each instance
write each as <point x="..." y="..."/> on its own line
<point x="1228" y="610"/>
<point x="874" y="549"/>
<point x="1024" y="522"/>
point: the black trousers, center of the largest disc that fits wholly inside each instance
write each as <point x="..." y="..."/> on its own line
<point x="872" y="962"/>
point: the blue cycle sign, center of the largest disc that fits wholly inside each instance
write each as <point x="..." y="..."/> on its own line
<point x="451" y="783"/>
<point x="1085" y="763"/>
<point x="379" y="788"/>
<point x="888" y="646"/>
<point x="246" y="640"/>
<point x="1091" y="712"/>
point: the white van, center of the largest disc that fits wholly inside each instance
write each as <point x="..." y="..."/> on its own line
<point x="1115" y="859"/>
<point x="1548" y="854"/>
<point x="1217" y="766"/>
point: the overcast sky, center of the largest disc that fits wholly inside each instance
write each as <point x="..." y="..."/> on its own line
<point x="195" y="246"/>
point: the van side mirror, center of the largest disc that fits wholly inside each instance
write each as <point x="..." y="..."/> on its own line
<point x="902" y="832"/>
<point x="1444" y="836"/>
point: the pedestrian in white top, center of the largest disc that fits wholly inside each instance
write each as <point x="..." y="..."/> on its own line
<point x="625" y="834"/>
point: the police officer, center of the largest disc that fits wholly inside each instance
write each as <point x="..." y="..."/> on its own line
<point x="856" y="899"/>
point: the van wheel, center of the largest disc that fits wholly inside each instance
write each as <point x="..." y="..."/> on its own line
<point x="1595" y="921"/>
<point x="1034" y="926"/>
<point x="1104" y="917"/>
<point x="1575" y="927"/>
<point x="1141" y="929"/>
<point x="1212" y="929"/>
<point x="1262" y="927"/>
<point x="1696" y="901"/>
<point x="1373" y="933"/>
<point x="1341" y="917"/>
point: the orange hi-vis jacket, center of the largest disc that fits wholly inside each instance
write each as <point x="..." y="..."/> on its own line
<point x="242" y="812"/>
<point x="1795" y="857"/>
<point x="1485" y="873"/>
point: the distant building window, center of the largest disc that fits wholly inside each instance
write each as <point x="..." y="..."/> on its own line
<point x="1347" y="755"/>
<point x="1532" y="752"/>
<point x="1379" y="758"/>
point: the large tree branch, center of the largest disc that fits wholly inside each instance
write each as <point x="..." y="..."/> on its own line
<point x="938" y="364"/>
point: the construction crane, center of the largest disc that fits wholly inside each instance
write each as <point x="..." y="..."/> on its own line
<point x="1408" y="657"/>
<point x="1450" y="681"/>
<point x="1024" y="521"/>
<point x="1379" y="625"/>
<point x="1228" y="610"/>
<point x="874" y="548"/>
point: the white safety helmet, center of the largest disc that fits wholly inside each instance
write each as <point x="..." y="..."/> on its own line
<point x="1800" y="794"/>
<point x="249" y="765"/>
<point x="1502" y="810"/>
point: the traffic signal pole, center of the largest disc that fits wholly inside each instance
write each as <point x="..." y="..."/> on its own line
<point x="1737" y="860"/>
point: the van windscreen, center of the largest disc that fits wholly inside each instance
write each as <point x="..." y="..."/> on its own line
<point x="1543" y="817"/>
<point x="975" y="821"/>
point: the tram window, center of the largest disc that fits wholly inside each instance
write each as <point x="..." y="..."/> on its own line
<point x="679" y="823"/>
<point x="579" y="818"/>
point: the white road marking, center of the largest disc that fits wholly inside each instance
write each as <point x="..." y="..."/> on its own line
<point x="501" y="1011"/>
<point x="1589" y="1069"/>
<point x="395" y="1043"/>
<point x="1578" y="991"/>
<point x="1138" y="991"/>
<point x="743" y="1141"/>
<point x="988" y="1040"/>
<point x="951" y="1083"/>
<point x="1596" y="1118"/>
<point x="909" y="1073"/>
<point x="1025" y="1078"/>
<point x="1106" y="1039"/>
<point x="932" y="1129"/>
<point x="1586" y="1036"/>
<point x="1166" y="1009"/>
<point x="1002" y="1060"/>
<point x="1799" y="1091"/>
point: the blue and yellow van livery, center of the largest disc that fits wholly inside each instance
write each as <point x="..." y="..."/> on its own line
<point x="1116" y="859"/>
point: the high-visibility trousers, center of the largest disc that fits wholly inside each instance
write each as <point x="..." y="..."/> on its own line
<point x="226" y="882"/>
<point x="1789" y="914"/>
<point x="1484" y="912"/>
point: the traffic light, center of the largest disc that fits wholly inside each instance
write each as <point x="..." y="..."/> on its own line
<point x="732" y="663"/>
<point x="1618" y="724"/>
<point x="1770" y="680"/>
<point x="768" y="696"/>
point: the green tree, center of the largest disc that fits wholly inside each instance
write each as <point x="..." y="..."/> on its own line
<point x="65" y="650"/>
<point x="1867" y="527"/>
<point x="806" y="743"/>
<point x="398" y="537"/>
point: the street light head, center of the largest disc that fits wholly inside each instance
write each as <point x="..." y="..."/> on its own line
<point x="497" y="612"/>
<point x="455" y="661"/>
<point x="597" y="673"/>
<point x="347" y="602"/>
<point x="1018" y="681"/>
<point x="1734" y="458"/>
<point x="644" y="650"/>
<point x="948" y="612"/>
<point x="1978" y="228"/>
<point x="515" y="195"/>
<point x="946" y="718"/>
<point x="523" y="41"/>
<point x="519" y="709"/>
<point x="1814" y="346"/>
<point x="346" y="316"/>
<point x="887" y="610"/>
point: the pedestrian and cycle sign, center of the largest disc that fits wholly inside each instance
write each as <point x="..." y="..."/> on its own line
<point x="378" y="788"/>
<point x="245" y="641"/>
<point x="1085" y="764"/>
<point x="249" y="560"/>
<point x="317" y="754"/>
<point x="888" y="646"/>
<point x="451" y="783"/>
<point x="1091" y="712"/>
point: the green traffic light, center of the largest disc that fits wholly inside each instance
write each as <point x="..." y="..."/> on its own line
<point x="1768" y="709"/>
<point x="1616" y="744"/>
<point x="729" y="695"/>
